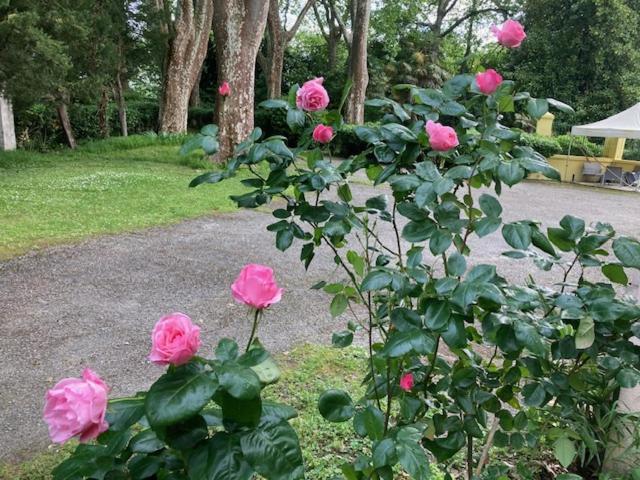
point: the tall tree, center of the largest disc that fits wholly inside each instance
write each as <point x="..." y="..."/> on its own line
<point x="238" y="28"/>
<point x="332" y="32"/>
<point x="358" y="71"/>
<point x="276" y="41"/>
<point x="584" y="52"/>
<point x="187" y="47"/>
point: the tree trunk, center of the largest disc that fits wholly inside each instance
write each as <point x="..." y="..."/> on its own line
<point x="274" y="75"/>
<point x="187" y="51"/>
<point x="194" y="99"/>
<point x="358" y="72"/>
<point x="122" y="106"/>
<point x="65" y="122"/>
<point x="103" y="114"/>
<point x="238" y="28"/>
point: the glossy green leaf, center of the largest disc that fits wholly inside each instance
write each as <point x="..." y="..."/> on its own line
<point x="336" y="405"/>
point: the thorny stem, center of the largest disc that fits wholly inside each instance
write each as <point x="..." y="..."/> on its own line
<point x="469" y="457"/>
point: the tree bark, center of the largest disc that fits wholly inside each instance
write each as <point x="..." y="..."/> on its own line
<point x="238" y="28"/>
<point x="103" y="114"/>
<point x="187" y="51"/>
<point x="65" y="122"/>
<point x="277" y="41"/>
<point x="358" y="72"/>
<point x="122" y="106"/>
<point x="194" y="98"/>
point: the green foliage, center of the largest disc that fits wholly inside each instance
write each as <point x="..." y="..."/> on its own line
<point x="556" y="352"/>
<point x="570" y="144"/>
<point x="206" y="418"/>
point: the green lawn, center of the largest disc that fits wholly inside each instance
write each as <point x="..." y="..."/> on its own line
<point x="111" y="186"/>
<point x="307" y="371"/>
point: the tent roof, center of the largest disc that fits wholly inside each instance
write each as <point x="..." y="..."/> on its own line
<point x="625" y="124"/>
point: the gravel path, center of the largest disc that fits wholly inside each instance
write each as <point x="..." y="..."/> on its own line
<point x="94" y="303"/>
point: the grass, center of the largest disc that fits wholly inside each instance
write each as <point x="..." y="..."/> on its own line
<point x="307" y="371"/>
<point x="106" y="187"/>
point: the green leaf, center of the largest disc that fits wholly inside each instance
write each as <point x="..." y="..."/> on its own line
<point x="191" y="144"/>
<point x="534" y="395"/>
<point x="563" y="107"/>
<point x="628" y="378"/>
<point x="615" y="272"/>
<point x="456" y="264"/>
<point x="210" y="145"/>
<point x="227" y="350"/>
<point x="146" y="442"/>
<point x="574" y="226"/>
<point x="628" y="251"/>
<point x="440" y="241"/>
<point x="418" y="231"/>
<point x="124" y="412"/>
<point x="273" y="103"/>
<point x="336" y="405"/>
<point x="517" y="235"/>
<point x="565" y="451"/>
<point x="342" y="339"/>
<point x="144" y="466"/>
<point x="529" y="337"/>
<point x="384" y="453"/>
<point x="185" y="435"/>
<point x="242" y="412"/>
<point x="241" y="383"/>
<point x="210" y="177"/>
<point x="284" y="239"/>
<point x="210" y="130"/>
<point x="219" y="458"/>
<point x="376" y="280"/>
<point x="560" y="238"/>
<point x="537" y="107"/>
<point x="295" y="118"/>
<point x="510" y="173"/>
<point x="369" y="422"/>
<point x="490" y="205"/>
<point x="437" y="315"/>
<point x="178" y="395"/>
<point x="338" y="305"/>
<point x="273" y="450"/>
<point x="585" y="335"/>
<point x="401" y="343"/>
<point x="411" y="455"/>
<point x="487" y="225"/>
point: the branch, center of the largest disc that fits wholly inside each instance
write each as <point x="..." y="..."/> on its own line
<point x="320" y="24"/>
<point x="345" y="33"/>
<point x="466" y="17"/>
<point x="292" y="31"/>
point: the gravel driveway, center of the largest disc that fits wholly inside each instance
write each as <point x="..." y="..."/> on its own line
<point x="94" y="303"/>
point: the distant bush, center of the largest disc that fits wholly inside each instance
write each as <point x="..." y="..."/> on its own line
<point x="573" y="145"/>
<point x="346" y="143"/>
<point x="547" y="146"/>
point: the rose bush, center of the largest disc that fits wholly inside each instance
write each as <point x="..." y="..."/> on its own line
<point x="460" y="359"/>
<point x="202" y="419"/>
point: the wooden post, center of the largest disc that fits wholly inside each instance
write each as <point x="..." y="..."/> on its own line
<point x="7" y="127"/>
<point x="544" y="127"/>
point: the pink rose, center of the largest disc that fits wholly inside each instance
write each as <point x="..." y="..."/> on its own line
<point x="489" y="81"/>
<point x="322" y="133"/>
<point x="256" y="287"/>
<point x="174" y="340"/>
<point x="224" y="89"/>
<point x="441" y="138"/>
<point x="76" y="407"/>
<point x="510" y="34"/>
<point x="312" y="96"/>
<point x="406" y="382"/>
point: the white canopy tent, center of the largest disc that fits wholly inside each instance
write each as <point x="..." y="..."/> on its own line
<point x="625" y="124"/>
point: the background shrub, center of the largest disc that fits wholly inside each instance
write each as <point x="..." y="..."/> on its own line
<point x="547" y="146"/>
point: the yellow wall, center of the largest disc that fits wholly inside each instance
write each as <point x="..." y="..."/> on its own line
<point x="570" y="166"/>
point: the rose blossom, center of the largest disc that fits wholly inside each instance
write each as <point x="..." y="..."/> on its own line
<point x="489" y="81"/>
<point x="224" y="89"/>
<point x="406" y="382"/>
<point x="76" y="407"/>
<point x="510" y="34"/>
<point x="441" y="138"/>
<point x="312" y="96"/>
<point x="322" y="133"/>
<point x="256" y="287"/>
<point x="175" y="339"/>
